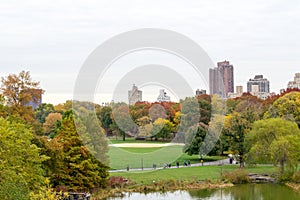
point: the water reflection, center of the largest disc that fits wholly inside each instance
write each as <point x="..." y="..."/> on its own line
<point x="240" y="192"/>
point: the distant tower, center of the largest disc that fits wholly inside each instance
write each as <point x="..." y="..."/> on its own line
<point x="134" y="95"/>
<point x="258" y="84"/>
<point x="296" y="82"/>
<point x="239" y="89"/>
<point x="199" y="92"/>
<point x="221" y="79"/>
<point x="163" y="96"/>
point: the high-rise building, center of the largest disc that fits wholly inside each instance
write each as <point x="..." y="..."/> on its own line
<point x="163" y="96"/>
<point x="134" y="95"/>
<point x="258" y="84"/>
<point x="221" y="79"/>
<point x="296" y="82"/>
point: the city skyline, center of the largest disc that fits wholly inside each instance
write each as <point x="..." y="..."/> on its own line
<point x="52" y="41"/>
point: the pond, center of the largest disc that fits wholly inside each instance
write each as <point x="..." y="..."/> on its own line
<point x="239" y="192"/>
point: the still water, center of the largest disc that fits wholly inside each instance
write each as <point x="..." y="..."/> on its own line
<point x="240" y="192"/>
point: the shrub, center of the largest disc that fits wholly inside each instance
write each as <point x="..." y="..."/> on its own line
<point x="117" y="181"/>
<point x="237" y="177"/>
<point x="286" y="176"/>
<point x="296" y="177"/>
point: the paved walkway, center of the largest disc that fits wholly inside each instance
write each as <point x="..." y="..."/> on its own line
<point x="212" y="163"/>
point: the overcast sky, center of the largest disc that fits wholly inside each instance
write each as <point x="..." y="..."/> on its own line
<point x="52" y="39"/>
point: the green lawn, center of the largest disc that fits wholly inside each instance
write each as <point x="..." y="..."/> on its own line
<point x="188" y="173"/>
<point x="121" y="157"/>
<point x="134" y="157"/>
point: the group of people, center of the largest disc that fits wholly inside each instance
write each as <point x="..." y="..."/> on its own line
<point x="187" y="163"/>
<point x="169" y="165"/>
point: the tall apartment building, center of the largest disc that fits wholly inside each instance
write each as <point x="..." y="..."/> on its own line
<point x="258" y="84"/>
<point x="221" y="79"/>
<point x="134" y="95"/>
<point x="163" y="97"/>
<point x="296" y="82"/>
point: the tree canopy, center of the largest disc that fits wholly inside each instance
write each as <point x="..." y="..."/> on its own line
<point x="20" y="161"/>
<point x="277" y="140"/>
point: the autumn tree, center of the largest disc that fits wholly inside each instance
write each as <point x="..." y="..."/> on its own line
<point x="20" y="161"/>
<point x="139" y="109"/>
<point x="177" y="119"/>
<point x="145" y="126"/>
<point x="62" y="107"/>
<point x="72" y="164"/>
<point x="250" y="107"/>
<point x="236" y="128"/>
<point x="162" y="128"/>
<point x="190" y="114"/>
<point x="42" y="111"/>
<point x="94" y="137"/>
<point x="287" y="107"/>
<point x="104" y="115"/>
<point x="19" y="90"/>
<point x="157" y="111"/>
<point x="205" y="108"/>
<point x="194" y="139"/>
<point x="122" y="121"/>
<point x="195" y="117"/>
<point x="3" y="109"/>
<point x="51" y="123"/>
<point x="276" y="140"/>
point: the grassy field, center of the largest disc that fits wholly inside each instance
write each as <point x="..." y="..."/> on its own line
<point x="188" y="173"/>
<point x="135" y="157"/>
<point x="121" y="157"/>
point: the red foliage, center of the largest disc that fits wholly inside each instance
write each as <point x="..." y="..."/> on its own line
<point x="273" y="98"/>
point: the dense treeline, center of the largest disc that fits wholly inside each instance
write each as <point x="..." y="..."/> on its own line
<point x="66" y="144"/>
<point x="51" y="145"/>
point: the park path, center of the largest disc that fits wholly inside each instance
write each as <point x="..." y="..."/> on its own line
<point x="212" y="163"/>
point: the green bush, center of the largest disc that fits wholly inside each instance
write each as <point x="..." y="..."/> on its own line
<point x="296" y="177"/>
<point x="286" y="176"/>
<point x="239" y="176"/>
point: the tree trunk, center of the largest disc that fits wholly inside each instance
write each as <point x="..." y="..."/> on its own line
<point x="241" y="162"/>
<point x="124" y="136"/>
<point x="281" y="166"/>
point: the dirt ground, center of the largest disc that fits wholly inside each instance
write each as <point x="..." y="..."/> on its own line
<point x="144" y="145"/>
